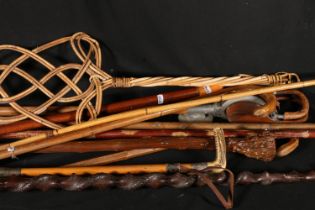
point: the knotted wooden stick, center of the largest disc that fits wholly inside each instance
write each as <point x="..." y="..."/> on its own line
<point x="153" y="180"/>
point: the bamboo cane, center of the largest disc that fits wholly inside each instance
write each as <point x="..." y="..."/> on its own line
<point x="115" y="169"/>
<point x="36" y="143"/>
<point x="82" y="130"/>
<point x="119" y="169"/>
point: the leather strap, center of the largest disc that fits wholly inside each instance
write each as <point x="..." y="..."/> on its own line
<point x="227" y="202"/>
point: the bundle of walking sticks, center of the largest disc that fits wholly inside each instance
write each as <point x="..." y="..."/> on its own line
<point x="242" y="114"/>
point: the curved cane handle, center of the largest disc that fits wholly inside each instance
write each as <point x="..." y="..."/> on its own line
<point x="269" y="99"/>
<point x="244" y="112"/>
<point x="269" y="107"/>
<point x="220" y="146"/>
<point x="288" y="147"/>
<point x="301" y="99"/>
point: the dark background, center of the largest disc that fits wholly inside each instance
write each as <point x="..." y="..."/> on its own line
<point x="195" y="38"/>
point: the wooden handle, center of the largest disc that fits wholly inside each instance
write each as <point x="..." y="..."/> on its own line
<point x="301" y="99"/>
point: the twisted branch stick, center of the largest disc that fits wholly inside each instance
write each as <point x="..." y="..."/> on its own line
<point x="132" y="182"/>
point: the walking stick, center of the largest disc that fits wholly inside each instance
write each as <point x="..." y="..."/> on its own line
<point x="258" y="147"/>
<point x="152" y="180"/>
<point x="19" y="183"/>
<point x="220" y="160"/>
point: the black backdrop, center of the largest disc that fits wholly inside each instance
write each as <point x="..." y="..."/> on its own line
<point x="196" y="38"/>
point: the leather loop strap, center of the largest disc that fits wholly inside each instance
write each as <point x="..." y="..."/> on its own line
<point x="288" y="147"/>
<point x="227" y="202"/>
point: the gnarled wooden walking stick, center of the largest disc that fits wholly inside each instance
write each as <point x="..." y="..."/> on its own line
<point x="19" y="183"/>
<point x="186" y="178"/>
<point x="152" y="180"/>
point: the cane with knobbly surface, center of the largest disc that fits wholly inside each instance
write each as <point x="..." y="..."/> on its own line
<point x="12" y="180"/>
<point x="104" y="181"/>
<point x="74" y="182"/>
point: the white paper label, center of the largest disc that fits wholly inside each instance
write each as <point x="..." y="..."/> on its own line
<point x="160" y="99"/>
<point x="207" y="89"/>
